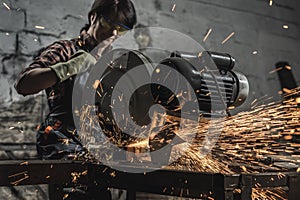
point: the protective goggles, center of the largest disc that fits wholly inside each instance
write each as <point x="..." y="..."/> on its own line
<point x="109" y="24"/>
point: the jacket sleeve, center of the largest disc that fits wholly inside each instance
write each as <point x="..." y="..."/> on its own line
<point x="60" y="51"/>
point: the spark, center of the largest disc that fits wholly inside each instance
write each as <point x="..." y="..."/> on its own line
<point x="64" y="141"/>
<point x="286" y="90"/>
<point x="254" y="101"/>
<point x="285" y="26"/>
<point x="288" y="67"/>
<point x="249" y="137"/>
<point x="76" y="175"/>
<point x="99" y="94"/>
<point x="207" y="34"/>
<point x="254" y="52"/>
<point x="24" y="173"/>
<point x="96" y="84"/>
<point x="273" y="71"/>
<point x="173" y="8"/>
<point x="269" y="194"/>
<point x="228" y="37"/>
<point x="24" y="163"/>
<point x="39" y="27"/>
<point x="120" y="97"/>
<point x="271" y="2"/>
<point x="247" y="140"/>
<point x="231" y="107"/>
<point x="113" y="174"/>
<point x="20" y="180"/>
<point x="6" y="6"/>
<point x="84" y="172"/>
<point x="17" y="174"/>
<point x="280" y="175"/>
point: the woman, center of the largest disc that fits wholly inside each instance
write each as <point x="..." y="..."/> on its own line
<point x="56" y="67"/>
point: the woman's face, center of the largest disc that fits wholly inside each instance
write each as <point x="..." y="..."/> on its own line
<point x="103" y="28"/>
<point x="99" y="32"/>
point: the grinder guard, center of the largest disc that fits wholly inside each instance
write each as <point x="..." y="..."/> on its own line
<point x="222" y="88"/>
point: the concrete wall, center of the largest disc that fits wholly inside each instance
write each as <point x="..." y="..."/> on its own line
<point x="257" y="27"/>
<point x="256" y="24"/>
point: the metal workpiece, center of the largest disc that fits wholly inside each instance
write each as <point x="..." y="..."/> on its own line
<point x="170" y="182"/>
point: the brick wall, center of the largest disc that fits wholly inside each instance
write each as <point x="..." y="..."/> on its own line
<point x="257" y="27"/>
<point x="21" y="37"/>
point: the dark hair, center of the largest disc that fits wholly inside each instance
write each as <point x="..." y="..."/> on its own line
<point x="122" y="11"/>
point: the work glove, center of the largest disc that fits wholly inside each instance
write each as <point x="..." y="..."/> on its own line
<point x="79" y="62"/>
